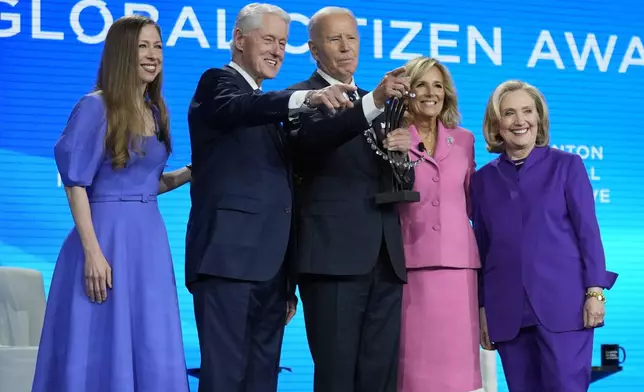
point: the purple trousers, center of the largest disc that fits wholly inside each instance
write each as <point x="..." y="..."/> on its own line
<point x="538" y="360"/>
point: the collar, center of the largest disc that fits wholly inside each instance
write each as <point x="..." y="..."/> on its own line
<point x="245" y="74"/>
<point x="331" y="80"/>
<point x="535" y="155"/>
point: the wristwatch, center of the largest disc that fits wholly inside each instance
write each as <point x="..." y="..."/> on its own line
<point x="307" y="99"/>
<point x="600" y="296"/>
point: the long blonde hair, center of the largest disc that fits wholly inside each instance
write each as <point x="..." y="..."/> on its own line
<point x="118" y="80"/>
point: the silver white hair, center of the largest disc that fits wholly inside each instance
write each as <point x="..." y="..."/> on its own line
<point x="321" y="14"/>
<point x="251" y="17"/>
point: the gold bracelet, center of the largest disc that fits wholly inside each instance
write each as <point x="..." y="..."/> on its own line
<point x="599" y="295"/>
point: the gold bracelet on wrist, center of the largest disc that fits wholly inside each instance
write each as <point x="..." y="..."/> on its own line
<point x="597" y="294"/>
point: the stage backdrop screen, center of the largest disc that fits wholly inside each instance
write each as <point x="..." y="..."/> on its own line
<point x="587" y="57"/>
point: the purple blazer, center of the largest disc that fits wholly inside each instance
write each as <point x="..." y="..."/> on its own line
<point x="538" y="237"/>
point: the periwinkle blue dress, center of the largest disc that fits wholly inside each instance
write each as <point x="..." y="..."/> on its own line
<point x="132" y="342"/>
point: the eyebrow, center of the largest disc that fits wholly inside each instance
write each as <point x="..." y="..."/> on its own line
<point x="147" y="42"/>
<point x="522" y="108"/>
<point x="273" y="37"/>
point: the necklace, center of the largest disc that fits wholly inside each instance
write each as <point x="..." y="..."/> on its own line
<point x="429" y="141"/>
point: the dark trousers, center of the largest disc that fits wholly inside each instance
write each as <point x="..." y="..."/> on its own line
<point x="240" y="326"/>
<point x="538" y="360"/>
<point x="353" y="328"/>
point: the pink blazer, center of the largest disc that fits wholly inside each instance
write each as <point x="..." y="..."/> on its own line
<point x="437" y="230"/>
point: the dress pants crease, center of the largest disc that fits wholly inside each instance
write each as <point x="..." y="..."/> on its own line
<point x="353" y="328"/>
<point x="241" y="327"/>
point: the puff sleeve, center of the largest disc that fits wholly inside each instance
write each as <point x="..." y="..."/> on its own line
<point x="80" y="150"/>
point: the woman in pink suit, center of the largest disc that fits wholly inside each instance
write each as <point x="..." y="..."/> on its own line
<point x="440" y="328"/>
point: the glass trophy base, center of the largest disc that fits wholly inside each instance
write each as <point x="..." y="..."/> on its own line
<point x="395" y="197"/>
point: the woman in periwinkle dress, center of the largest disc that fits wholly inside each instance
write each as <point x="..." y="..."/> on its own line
<point x="112" y="319"/>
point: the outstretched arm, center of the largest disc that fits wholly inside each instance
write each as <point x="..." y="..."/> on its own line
<point x="222" y="102"/>
<point x="316" y="133"/>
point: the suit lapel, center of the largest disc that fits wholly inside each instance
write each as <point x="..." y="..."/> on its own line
<point x="536" y="155"/>
<point x="444" y="142"/>
<point x="243" y="84"/>
<point x="316" y="81"/>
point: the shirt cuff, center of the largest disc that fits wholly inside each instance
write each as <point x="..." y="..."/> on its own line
<point x="371" y="112"/>
<point x="296" y="102"/>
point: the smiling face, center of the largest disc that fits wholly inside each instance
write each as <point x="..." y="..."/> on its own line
<point x="335" y="45"/>
<point x="262" y="49"/>
<point x="430" y="95"/>
<point x="150" y="53"/>
<point x="519" y="121"/>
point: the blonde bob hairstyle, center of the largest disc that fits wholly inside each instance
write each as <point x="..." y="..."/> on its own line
<point x="417" y="68"/>
<point x="492" y="120"/>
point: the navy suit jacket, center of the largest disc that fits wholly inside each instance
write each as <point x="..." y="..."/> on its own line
<point x="241" y="193"/>
<point x="340" y="229"/>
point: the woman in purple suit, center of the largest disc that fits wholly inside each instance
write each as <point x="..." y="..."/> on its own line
<point x="112" y="320"/>
<point x="543" y="268"/>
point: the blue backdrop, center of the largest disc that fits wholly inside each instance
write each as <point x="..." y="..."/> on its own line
<point x="586" y="57"/>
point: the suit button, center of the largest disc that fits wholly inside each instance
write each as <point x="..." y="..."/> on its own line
<point x="436" y="227"/>
<point x="435" y="203"/>
<point x="287" y="210"/>
<point x="435" y="179"/>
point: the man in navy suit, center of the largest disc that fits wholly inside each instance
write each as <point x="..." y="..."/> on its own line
<point x="349" y="250"/>
<point x="240" y="220"/>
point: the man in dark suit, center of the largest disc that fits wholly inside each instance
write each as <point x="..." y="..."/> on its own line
<point x="240" y="220"/>
<point x="349" y="250"/>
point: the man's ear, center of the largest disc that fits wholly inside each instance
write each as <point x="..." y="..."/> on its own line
<point x="314" y="50"/>
<point x="239" y="40"/>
